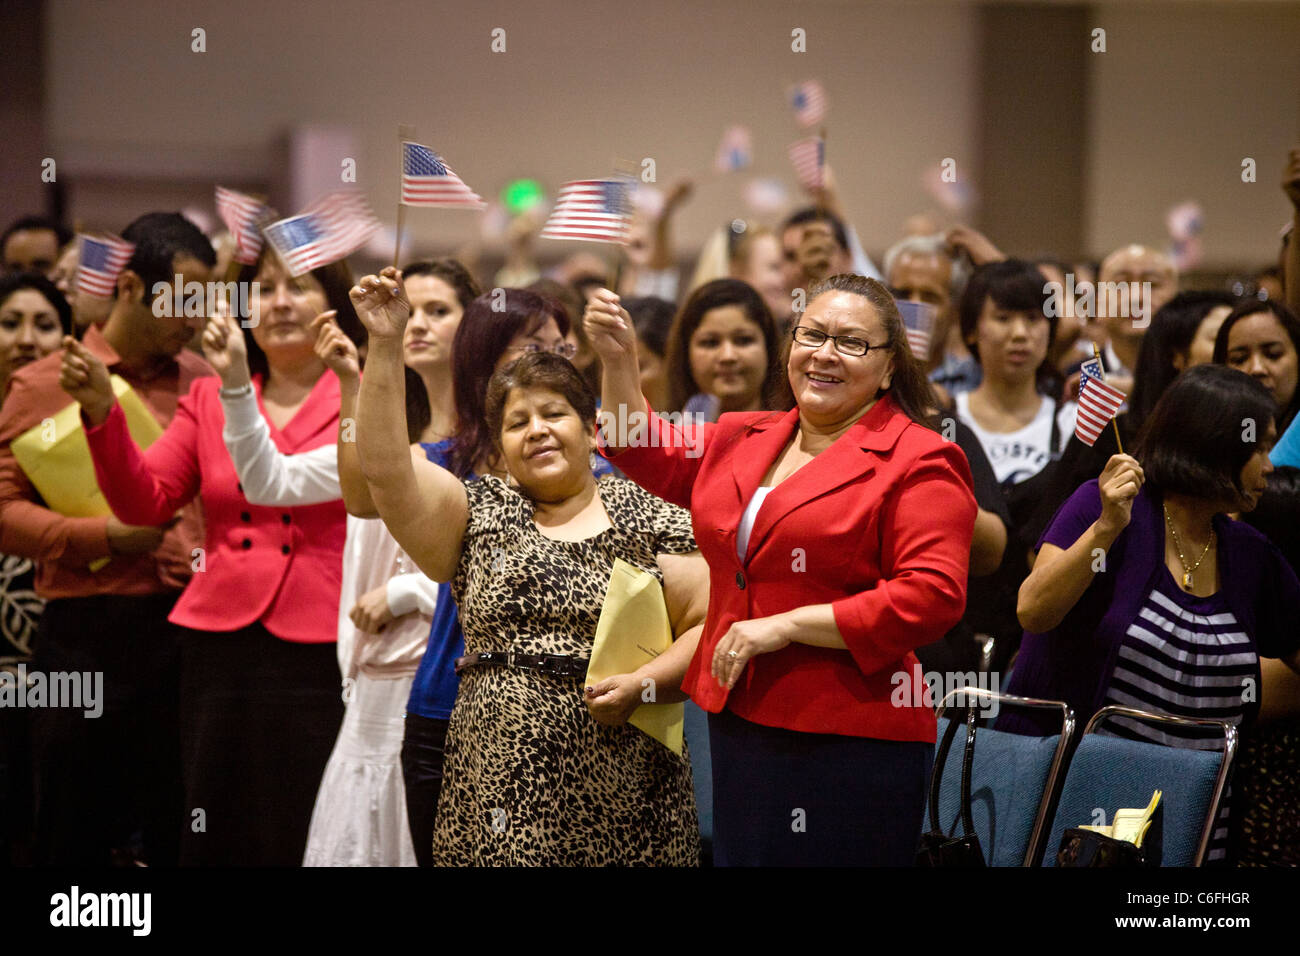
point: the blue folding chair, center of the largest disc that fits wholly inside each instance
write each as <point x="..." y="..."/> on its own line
<point x="1109" y="773"/>
<point x="1015" y="780"/>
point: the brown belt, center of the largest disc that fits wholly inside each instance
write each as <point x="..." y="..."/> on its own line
<point x="557" y="665"/>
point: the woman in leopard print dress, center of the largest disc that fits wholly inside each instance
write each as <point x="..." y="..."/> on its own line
<point x="538" y="770"/>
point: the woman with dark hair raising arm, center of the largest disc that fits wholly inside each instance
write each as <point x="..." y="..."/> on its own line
<point x="837" y="536"/>
<point x="538" y="771"/>
<point x="1184" y="601"/>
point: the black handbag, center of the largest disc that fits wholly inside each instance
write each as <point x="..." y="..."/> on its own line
<point x="1088" y="848"/>
<point x="937" y="848"/>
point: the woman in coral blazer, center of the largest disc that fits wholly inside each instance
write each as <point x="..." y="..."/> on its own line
<point x="838" y="537"/>
<point x="260" y="704"/>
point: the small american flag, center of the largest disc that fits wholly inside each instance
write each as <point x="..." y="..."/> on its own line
<point x="918" y="322"/>
<point x="808" y="100"/>
<point x="735" y="152"/>
<point x="241" y="215"/>
<point x="428" y="181"/>
<point x="809" y="158"/>
<point x="1098" y="402"/>
<point x="596" y="210"/>
<point x="330" y="229"/>
<point x="100" y="263"/>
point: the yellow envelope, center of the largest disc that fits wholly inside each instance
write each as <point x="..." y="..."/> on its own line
<point x="634" y="628"/>
<point x="56" y="458"/>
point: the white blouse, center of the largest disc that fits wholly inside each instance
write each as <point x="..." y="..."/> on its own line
<point x="370" y="555"/>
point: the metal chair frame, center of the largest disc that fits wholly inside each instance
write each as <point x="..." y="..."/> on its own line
<point x="1055" y="779"/>
<point x="1221" y="781"/>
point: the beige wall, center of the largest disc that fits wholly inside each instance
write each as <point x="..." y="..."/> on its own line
<point x="1183" y="92"/>
<point x="580" y="82"/>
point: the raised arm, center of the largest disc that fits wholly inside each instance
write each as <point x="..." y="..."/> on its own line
<point x="267" y="475"/>
<point x="661" y="456"/>
<point x="423" y="506"/>
<point x="142" y="488"/>
<point x="1061" y="575"/>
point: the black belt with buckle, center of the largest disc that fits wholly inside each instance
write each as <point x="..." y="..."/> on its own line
<point x="557" y="665"/>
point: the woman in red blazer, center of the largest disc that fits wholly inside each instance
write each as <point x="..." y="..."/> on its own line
<point x="838" y="536"/>
<point x="259" y="695"/>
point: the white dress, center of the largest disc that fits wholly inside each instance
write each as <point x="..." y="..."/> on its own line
<point x="360" y="813"/>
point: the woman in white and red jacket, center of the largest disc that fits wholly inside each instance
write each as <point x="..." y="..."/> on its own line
<point x="260" y="704"/>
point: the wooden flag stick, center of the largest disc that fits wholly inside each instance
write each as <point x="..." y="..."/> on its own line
<point x="1113" y="423"/>
<point x="404" y="133"/>
<point x="821" y="176"/>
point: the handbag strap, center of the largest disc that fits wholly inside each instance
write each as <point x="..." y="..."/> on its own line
<point x="936" y="778"/>
<point x="967" y="760"/>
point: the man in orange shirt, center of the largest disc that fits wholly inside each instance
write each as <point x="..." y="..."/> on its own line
<point x="103" y="780"/>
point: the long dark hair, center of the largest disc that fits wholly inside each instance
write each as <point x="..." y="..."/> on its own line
<point x="490" y="323"/>
<point x="1173" y="328"/>
<point x="774" y="392"/>
<point x="1290" y="324"/>
<point x="1193" y="441"/>
<point x="335" y="279"/>
<point x="908" y="385"/>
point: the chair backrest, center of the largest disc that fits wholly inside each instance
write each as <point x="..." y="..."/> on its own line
<point x="1109" y="773"/>
<point x="1014" y="781"/>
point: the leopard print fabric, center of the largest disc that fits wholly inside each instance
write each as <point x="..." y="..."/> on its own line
<point x="529" y="778"/>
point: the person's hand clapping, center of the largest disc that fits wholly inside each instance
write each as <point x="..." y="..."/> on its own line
<point x="381" y="304"/>
<point x="224" y="347"/>
<point x="86" y="379"/>
<point x="1119" y="484"/>
<point x="334" y="348"/>
<point x="609" y="327"/>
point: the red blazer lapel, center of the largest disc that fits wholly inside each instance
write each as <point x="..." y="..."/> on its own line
<point x="762" y="444"/>
<point x="846" y="460"/>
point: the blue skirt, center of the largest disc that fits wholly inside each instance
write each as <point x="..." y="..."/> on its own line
<point x="788" y="798"/>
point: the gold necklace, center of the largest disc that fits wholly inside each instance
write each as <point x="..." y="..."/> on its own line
<point x="1178" y="546"/>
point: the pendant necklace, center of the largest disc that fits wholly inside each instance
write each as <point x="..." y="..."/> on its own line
<point x="1178" y="546"/>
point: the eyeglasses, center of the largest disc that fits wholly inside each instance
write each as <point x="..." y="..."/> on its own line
<point x="564" y="349"/>
<point x="846" y="344"/>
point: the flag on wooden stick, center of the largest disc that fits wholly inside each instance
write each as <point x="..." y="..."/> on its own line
<point x="1099" y="403"/>
<point x="100" y="262"/>
<point x="428" y="181"/>
<point x="242" y="215"/>
<point x="329" y="229"/>
<point x="594" y="210"/>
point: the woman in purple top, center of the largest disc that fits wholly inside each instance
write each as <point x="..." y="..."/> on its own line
<point x="1145" y="592"/>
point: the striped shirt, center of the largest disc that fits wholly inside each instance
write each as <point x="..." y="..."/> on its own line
<point x="1186" y="656"/>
